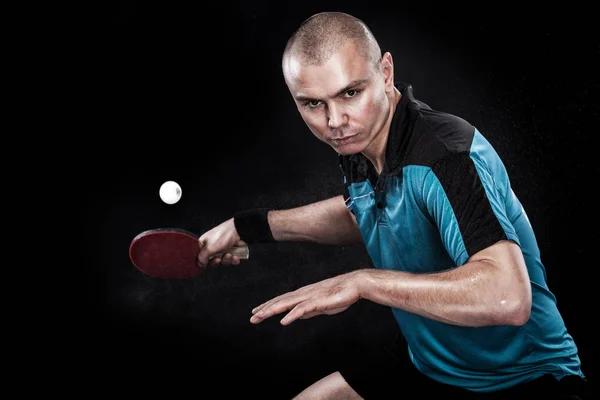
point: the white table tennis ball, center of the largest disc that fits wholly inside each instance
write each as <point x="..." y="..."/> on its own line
<point x="170" y="192"/>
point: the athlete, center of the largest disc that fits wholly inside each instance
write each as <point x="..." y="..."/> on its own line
<point x="454" y="255"/>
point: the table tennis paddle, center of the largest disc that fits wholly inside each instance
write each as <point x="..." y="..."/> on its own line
<point x="171" y="253"/>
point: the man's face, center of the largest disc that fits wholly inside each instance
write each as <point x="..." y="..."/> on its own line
<point x="343" y="101"/>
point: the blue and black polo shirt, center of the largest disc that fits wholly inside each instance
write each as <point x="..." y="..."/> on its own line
<point x="443" y="195"/>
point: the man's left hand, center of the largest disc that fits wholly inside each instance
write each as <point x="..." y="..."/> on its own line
<point x="330" y="296"/>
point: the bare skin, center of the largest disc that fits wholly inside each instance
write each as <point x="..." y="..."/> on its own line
<point x="331" y="387"/>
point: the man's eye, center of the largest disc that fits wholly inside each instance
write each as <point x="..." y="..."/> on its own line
<point x="351" y="93"/>
<point x="313" y="103"/>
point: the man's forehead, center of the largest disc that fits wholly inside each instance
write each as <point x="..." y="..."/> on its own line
<point x="347" y="55"/>
<point x="328" y="79"/>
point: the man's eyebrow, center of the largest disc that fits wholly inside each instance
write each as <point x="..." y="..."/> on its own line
<point x="350" y="86"/>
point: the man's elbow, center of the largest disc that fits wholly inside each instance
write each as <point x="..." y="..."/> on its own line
<point x="517" y="313"/>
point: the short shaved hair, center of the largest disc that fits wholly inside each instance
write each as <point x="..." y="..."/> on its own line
<point x="323" y="34"/>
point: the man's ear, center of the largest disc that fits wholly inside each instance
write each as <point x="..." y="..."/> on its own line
<point x="387" y="66"/>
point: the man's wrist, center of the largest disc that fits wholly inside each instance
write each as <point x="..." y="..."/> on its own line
<point x="253" y="225"/>
<point x="360" y="279"/>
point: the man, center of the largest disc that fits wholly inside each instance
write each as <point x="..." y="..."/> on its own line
<point x="456" y="258"/>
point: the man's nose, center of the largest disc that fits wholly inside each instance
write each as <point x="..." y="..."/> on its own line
<point x="337" y="117"/>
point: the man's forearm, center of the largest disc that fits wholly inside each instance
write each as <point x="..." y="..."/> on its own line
<point x="476" y="294"/>
<point x="325" y="222"/>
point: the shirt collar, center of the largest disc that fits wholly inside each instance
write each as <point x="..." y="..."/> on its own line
<point x="401" y="130"/>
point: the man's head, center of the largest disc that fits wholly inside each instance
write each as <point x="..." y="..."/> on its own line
<point x="341" y="83"/>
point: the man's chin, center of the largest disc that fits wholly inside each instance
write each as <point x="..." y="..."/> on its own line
<point x="352" y="147"/>
<point x="347" y="150"/>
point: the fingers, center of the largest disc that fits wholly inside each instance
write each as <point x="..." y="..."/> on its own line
<point x="297" y="302"/>
<point x="215" y="241"/>
<point x="208" y="258"/>
<point x="258" y="309"/>
<point x="325" y="297"/>
<point x="203" y="254"/>
<point x="293" y="298"/>
<point x="230" y="259"/>
<point x="302" y="310"/>
<point x="225" y="259"/>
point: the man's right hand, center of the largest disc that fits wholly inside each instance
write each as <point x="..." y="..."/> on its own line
<point x="215" y="241"/>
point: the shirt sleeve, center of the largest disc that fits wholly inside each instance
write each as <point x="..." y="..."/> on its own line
<point x="461" y="197"/>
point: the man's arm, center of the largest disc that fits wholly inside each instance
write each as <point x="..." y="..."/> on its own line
<point x="325" y="222"/>
<point x="491" y="288"/>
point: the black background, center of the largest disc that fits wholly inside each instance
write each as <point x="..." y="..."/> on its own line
<point x="195" y="94"/>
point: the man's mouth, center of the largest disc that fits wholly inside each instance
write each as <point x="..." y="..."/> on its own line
<point x="344" y="140"/>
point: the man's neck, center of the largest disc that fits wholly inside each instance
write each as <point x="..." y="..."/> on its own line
<point x="376" y="151"/>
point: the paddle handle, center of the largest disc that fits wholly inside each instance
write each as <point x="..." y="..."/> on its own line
<point x="243" y="252"/>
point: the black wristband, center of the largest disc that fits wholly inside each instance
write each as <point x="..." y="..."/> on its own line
<point x="253" y="226"/>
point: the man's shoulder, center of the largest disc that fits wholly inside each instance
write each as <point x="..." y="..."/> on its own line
<point x="431" y="127"/>
<point x="438" y="135"/>
<point x="442" y="125"/>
